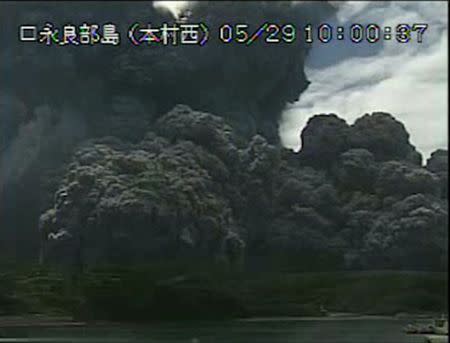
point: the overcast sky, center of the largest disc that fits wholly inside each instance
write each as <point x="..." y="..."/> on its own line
<point x="407" y="80"/>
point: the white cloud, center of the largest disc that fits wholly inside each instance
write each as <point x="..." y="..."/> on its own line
<point x="408" y="80"/>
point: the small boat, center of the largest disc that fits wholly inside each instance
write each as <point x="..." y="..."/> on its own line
<point x="439" y="327"/>
<point x="419" y="329"/>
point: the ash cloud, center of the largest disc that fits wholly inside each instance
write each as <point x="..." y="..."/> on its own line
<point x="59" y="96"/>
<point x="49" y="133"/>
<point x="180" y="146"/>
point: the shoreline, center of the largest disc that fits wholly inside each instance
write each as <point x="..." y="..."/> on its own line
<point x="30" y="321"/>
<point x="349" y="317"/>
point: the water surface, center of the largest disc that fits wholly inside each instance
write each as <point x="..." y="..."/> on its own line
<point x="253" y="331"/>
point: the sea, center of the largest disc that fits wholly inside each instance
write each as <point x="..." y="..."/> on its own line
<point x="267" y="330"/>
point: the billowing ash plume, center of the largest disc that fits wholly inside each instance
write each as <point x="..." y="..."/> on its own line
<point x="133" y="153"/>
<point x="119" y="91"/>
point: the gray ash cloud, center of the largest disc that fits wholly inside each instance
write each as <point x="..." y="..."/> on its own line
<point x="95" y="138"/>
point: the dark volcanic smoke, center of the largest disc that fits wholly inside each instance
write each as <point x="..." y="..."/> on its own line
<point x="129" y="154"/>
<point x="120" y="91"/>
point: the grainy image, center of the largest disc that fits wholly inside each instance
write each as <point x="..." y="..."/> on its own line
<point x="233" y="171"/>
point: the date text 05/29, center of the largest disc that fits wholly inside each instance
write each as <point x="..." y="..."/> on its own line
<point x="288" y="33"/>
